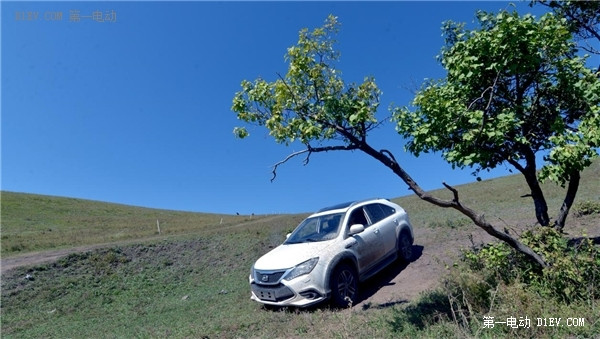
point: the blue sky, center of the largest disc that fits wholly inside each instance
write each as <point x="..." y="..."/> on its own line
<point x="137" y="111"/>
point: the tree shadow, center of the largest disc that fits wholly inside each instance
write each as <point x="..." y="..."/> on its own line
<point x="384" y="278"/>
<point x="578" y="240"/>
<point x="433" y="305"/>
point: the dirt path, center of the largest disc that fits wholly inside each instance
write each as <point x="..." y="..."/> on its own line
<point x="36" y="258"/>
<point x="438" y="248"/>
<point x="435" y="249"/>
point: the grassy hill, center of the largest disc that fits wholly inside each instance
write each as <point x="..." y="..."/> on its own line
<point x="191" y="279"/>
<point x="35" y="222"/>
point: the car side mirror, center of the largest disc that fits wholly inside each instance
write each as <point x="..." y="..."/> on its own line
<point x="357" y="228"/>
<point x="288" y="235"/>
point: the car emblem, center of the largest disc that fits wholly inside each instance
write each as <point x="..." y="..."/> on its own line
<point x="265" y="278"/>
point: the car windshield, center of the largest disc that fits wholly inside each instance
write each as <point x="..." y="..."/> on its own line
<point x="321" y="228"/>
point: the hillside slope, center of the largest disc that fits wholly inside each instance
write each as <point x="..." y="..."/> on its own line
<point x="192" y="279"/>
<point x="33" y="222"/>
<point x="36" y="222"/>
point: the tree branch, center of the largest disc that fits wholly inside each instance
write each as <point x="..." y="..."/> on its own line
<point x="479" y="219"/>
<point x="309" y="149"/>
<point x="489" y="103"/>
<point x="290" y="90"/>
<point x="454" y="192"/>
<point x="491" y="88"/>
<point x="316" y="91"/>
<point x="516" y="165"/>
<point x="582" y="24"/>
<point x="389" y="154"/>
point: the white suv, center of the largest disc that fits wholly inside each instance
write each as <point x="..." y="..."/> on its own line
<point x="330" y="252"/>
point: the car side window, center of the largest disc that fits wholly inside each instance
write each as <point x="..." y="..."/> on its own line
<point x="375" y="212"/>
<point x="358" y="217"/>
<point x="387" y="210"/>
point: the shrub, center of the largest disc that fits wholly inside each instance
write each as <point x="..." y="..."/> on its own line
<point x="496" y="282"/>
<point x="587" y="207"/>
<point x="573" y="272"/>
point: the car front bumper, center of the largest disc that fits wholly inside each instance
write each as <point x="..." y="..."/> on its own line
<point x="299" y="292"/>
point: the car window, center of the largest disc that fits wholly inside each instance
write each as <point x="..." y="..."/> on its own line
<point x="310" y="227"/>
<point x="375" y="213"/>
<point x="330" y="226"/>
<point x="358" y="217"/>
<point x="320" y="228"/>
<point x="378" y="212"/>
<point x="387" y="210"/>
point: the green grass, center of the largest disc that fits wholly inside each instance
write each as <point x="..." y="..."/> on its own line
<point x="35" y="222"/>
<point x="189" y="287"/>
<point x="191" y="280"/>
<point x="500" y="200"/>
<point x="444" y="314"/>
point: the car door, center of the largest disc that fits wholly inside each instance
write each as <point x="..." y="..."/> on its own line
<point x="369" y="244"/>
<point x="382" y="220"/>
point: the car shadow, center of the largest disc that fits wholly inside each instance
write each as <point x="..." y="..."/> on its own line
<point x="385" y="277"/>
<point x="367" y="288"/>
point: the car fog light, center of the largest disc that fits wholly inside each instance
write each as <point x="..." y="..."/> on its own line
<point x="310" y="294"/>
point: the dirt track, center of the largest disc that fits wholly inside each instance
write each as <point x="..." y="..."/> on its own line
<point x="36" y="258"/>
<point x="434" y="249"/>
<point x="437" y="248"/>
<point x="41" y="257"/>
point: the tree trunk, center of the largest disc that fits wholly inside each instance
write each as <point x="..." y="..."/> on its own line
<point x="568" y="202"/>
<point x="479" y="220"/>
<point x="529" y="172"/>
<point x="541" y="208"/>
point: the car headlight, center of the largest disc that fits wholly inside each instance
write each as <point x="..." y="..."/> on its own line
<point x="302" y="269"/>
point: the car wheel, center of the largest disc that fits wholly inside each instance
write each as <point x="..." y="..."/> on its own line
<point x="344" y="286"/>
<point x="405" y="248"/>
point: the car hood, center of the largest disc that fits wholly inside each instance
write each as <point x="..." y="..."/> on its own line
<point x="289" y="255"/>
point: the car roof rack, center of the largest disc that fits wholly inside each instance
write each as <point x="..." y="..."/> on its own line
<point x="337" y="207"/>
<point x="344" y="205"/>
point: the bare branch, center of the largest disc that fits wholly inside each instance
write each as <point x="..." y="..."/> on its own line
<point x="284" y="161"/>
<point x="289" y="89"/>
<point x="516" y="165"/>
<point x="454" y="192"/>
<point x="491" y="88"/>
<point x="309" y="149"/>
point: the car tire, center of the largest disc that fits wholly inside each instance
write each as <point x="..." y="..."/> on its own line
<point x="405" y="248"/>
<point x="344" y="286"/>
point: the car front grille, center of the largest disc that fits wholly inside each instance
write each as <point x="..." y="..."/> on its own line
<point x="268" y="277"/>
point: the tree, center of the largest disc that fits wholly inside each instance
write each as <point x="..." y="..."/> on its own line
<point x="583" y="20"/>
<point x="312" y="104"/>
<point x="514" y="88"/>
